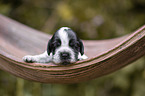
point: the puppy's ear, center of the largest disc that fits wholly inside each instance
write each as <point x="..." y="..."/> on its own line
<point x="81" y="47"/>
<point x="49" y="47"/>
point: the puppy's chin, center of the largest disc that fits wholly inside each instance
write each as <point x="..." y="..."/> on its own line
<point x="65" y="62"/>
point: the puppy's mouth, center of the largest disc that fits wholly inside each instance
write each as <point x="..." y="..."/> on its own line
<point x="65" y="62"/>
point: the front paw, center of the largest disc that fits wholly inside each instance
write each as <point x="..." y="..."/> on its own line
<point x="82" y="57"/>
<point x="29" y="59"/>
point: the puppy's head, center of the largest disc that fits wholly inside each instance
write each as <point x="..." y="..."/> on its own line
<point x="65" y="46"/>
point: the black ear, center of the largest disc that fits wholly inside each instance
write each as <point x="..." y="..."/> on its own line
<point x="81" y="47"/>
<point x="49" y="47"/>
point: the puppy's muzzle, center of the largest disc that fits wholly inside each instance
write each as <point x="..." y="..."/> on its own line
<point x="65" y="58"/>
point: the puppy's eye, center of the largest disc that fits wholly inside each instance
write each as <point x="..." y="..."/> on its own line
<point x="77" y="44"/>
<point x="71" y="44"/>
<point x="56" y="43"/>
<point x="74" y="44"/>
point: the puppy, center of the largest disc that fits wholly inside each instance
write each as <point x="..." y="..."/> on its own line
<point x="63" y="48"/>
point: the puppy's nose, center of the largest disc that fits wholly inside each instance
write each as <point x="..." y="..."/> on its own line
<point x="65" y="55"/>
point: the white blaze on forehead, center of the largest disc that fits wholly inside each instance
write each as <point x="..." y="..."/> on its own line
<point x="63" y="36"/>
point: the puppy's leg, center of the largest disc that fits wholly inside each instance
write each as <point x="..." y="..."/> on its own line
<point x="41" y="58"/>
<point x="82" y="57"/>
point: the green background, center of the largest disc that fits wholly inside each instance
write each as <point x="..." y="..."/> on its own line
<point x="90" y="19"/>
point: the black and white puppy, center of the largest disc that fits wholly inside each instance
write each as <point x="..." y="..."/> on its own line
<point x="63" y="48"/>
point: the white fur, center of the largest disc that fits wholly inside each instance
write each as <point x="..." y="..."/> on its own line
<point x="41" y="58"/>
<point x="82" y="57"/>
<point x="63" y="36"/>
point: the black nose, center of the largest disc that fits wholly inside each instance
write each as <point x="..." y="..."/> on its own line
<point x="65" y="55"/>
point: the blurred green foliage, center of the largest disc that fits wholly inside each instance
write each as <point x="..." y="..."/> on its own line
<point x="90" y="19"/>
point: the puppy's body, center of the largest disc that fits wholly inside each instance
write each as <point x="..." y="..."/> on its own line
<point x="63" y="48"/>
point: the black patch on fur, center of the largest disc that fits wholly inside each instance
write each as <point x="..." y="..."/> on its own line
<point x="53" y="44"/>
<point x="75" y="42"/>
